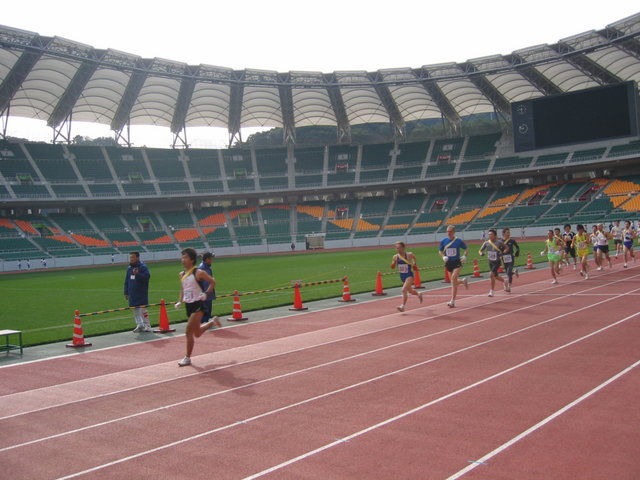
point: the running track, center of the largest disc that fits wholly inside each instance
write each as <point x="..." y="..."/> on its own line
<point x="539" y="383"/>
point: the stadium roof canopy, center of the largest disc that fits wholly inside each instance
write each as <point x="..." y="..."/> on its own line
<point x="59" y="80"/>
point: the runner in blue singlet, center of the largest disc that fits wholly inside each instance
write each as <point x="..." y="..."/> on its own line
<point x="406" y="262"/>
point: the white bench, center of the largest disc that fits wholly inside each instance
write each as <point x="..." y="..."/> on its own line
<point x="8" y="346"/>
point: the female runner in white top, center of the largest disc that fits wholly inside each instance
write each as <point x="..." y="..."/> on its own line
<point x="192" y="295"/>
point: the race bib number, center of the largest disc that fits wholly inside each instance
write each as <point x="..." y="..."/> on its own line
<point x="451" y="252"/>
<point x="492" y="256"/>
<point x="188" y="297"/>
<point x="403" y="268"/>
<point x="582" y="245"/>
<point x="507" y="258"/>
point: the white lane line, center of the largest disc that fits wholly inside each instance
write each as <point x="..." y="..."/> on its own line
<point x="542" y="423"/>
<point x="364" y="382"/>
<point x="433" y="402"/>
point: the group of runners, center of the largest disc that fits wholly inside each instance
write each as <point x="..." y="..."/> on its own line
<point x="560" y="248"/>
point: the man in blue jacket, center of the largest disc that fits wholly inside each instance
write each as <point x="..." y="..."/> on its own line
<point x="136" y="291"/>
<point x="207" y="259"/>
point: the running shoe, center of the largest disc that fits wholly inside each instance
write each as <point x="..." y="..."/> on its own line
<point x="216" y="322"/>
<point x="586" y="276"/>
<point x="184" y="362"/>
<point x="490" y="293"/>
<point x="516" y="272"/>
<point x="466" y="282"/>
<point x="420" y="297"/>
<point x="147" y="329"/>
<point x="507" y="288"/>
<point x="138" y="329"/>
<point x="625" y="265"/>
<point x="400" y="308"/>
<point x="451" y="304"/>
<point x="554" y="282"/>
<point x="599" y="268"/>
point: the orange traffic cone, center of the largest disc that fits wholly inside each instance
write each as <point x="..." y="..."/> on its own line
<point x="476" y="268"/>
<point x="530" y="265"/>
<point x="297" y="299"/>
<point x="237" y="311"/>
<point x="416" y="279"/>
<point x="447" y="278"/>
<point x="379" y="292"/>
<point x="78" y="336"/>
<point x="163" y="325"/>
<point x="346" y="294"/>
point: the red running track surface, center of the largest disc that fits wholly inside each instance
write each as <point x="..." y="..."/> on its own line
<point x="539" y="383"/>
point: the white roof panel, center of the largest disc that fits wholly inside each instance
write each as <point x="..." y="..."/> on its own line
<point x="47" y="66"/>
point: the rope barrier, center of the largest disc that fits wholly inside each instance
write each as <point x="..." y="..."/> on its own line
<point x="227" y="295"/>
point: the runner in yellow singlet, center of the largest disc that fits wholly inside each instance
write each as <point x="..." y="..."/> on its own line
<point x="580" y="243"/>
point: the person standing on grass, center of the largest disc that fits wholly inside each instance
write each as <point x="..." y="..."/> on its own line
<point x="493" y="247"/>
<point x="192" y="295"/>
<point x="207" y="259"/>
<point x="553" y="248"/>
<point x="406" y="263"/>
<point x="628" y="234"/>
<point x="580" y="244"/>
<point x="136" y="291"/>
<point x="510" y="250"/>
<point x="453" y="252"/>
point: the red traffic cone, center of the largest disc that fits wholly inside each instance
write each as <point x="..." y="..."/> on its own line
<point x="447" y="278"/>
<point x="297" y="299"/>
<point x="416" y="278"/>
<point x="163" y="325"/>
<point x="476" y="269"/>
<point x="346" y="294"/>
<point x="236" y="316"/>
<point x="530" y="265"/>
<point x="78" y="336"/>
<point x="379" y="292"/>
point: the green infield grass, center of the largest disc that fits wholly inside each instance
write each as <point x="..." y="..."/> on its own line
<point x="42" y="303"/>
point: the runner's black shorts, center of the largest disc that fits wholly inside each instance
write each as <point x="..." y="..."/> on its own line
<point x="570" y="251"/>
<point x="494" y="266"/>
<point x="194" y="307"/>
<point x="451" y="265"/>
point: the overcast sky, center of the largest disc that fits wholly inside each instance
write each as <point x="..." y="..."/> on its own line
<point x="286" y="35"/>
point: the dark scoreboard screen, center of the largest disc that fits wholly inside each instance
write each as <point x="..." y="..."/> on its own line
<point x="593" y="114"/>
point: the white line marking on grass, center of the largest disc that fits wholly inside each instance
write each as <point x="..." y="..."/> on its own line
<point x="542" y="423"/>
<point x="365" y="382"/>
<point x="433" y="402"/>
